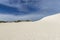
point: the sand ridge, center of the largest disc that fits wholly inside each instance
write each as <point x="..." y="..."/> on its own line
<point x="45" y="29"/>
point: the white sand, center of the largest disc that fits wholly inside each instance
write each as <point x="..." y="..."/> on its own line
<point x="46" y="29"/>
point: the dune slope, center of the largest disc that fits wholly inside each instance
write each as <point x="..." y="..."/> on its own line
<point x="45" y="29"/>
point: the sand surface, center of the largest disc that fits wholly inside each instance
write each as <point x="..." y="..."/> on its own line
<point x="46" y="29"/>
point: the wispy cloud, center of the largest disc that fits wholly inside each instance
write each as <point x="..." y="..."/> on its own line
<point x="47" y="7"/>
<point x="8" y="17"/>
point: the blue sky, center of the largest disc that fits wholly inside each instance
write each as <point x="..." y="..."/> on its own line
<point x="28" y="11"/>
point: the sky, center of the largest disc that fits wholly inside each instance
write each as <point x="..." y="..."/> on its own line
<point x="34" y="10"/>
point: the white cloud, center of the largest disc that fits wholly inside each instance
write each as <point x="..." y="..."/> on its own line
<point x="8" y="17"/>
<point x="19" y="6"/>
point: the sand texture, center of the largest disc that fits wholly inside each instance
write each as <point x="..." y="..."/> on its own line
<point x="46" y="29"/>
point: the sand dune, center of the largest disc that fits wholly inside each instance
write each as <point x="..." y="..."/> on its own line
<point x="46" y="29"/>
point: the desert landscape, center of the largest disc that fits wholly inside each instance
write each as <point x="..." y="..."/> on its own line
<point x="46" y="29"/>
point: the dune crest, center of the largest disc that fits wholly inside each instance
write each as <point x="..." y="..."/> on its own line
<point x="46" y="29"/>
